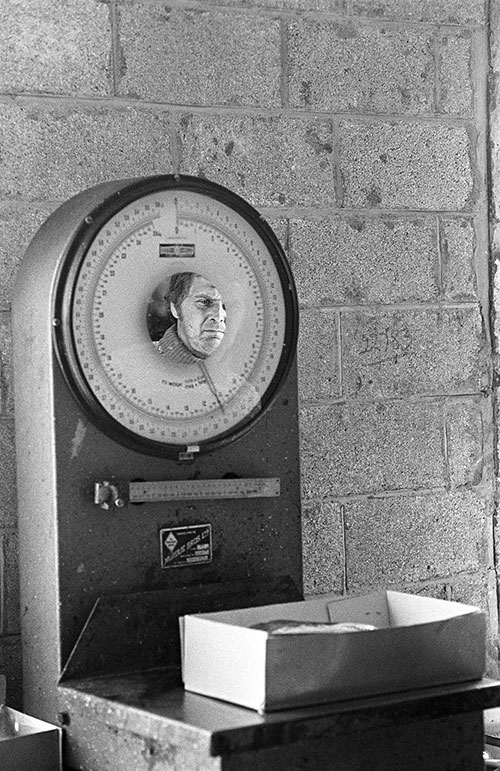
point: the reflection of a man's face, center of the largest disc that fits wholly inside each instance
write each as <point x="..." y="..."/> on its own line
<point x="201" y="318"/>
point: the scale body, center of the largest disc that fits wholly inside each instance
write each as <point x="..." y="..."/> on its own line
<point x="83" y="534"/>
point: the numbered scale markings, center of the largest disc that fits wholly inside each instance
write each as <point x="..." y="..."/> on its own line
<point x="142" y="492"/>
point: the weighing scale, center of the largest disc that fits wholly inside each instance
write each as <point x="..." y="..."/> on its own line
<point x="155" y="325"/>
<point x="148" y="480"/>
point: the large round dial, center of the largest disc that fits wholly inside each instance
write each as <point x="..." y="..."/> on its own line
<point x="176" y="315"/>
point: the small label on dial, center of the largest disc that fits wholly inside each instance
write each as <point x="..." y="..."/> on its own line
<point x="177" y="250"/>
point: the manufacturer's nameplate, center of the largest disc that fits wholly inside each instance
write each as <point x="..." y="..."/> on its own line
<point x="185" y="546"/>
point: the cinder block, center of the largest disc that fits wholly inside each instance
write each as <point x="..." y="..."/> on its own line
<point x="442" y="11"/>
<point x="468" y="455"/>
<point x="455" y="73"/>
<point x="53" y="153"/>
<point x="471" y="590"/>
<point x="58" y="49"/>
<point x="279" y="227"/>
<point x="18" y="224"/>
<point x="406" y="165"/>
<point x="457" y="244"/>
<point x="355" y="261"/>
<point x="479" y="589"/>
<point x="323" y="549"/>
<point x="439" y="591"/>
<point x="398" y="539"/>
<point x="8" y="491"/>
<point x="270" y="161"/>
<point x="402" y="353"/>
<point x="6" y="374"/>
<point x="11" y="621"/>
<point x="346" y="66"/>
<point x="202" y="58"/>
<point x="11" y="667"/>
<point x="318" y="355"/>
<point x="352" y="449"/>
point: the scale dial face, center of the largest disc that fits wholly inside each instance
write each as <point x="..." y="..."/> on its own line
<point x="177" y="315"/>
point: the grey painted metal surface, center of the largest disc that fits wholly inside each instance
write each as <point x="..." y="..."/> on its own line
<point x="141" y="722"/>
<point x="38" y="491"/>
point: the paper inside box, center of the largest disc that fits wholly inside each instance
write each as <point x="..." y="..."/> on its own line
<point x="418" y="642"/>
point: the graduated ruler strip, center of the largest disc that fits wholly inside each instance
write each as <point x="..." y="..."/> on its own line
<point x="175" y="490"/>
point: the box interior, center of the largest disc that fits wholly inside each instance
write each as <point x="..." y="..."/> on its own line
<point x="381" y="609"/>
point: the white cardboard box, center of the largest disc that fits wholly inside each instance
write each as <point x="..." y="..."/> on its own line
<point x="419" y="642"/>
<point x="28" y="744"/>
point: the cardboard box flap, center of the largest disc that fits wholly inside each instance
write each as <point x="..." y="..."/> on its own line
<point x="365" y="609"/>
<point x="409" y="610"/>
<point x="393" y="609"/>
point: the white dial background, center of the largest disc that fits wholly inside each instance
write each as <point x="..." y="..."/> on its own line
<point x="145" y="392"/>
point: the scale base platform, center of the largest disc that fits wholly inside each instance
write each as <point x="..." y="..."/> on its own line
<point x="145" y="721"/>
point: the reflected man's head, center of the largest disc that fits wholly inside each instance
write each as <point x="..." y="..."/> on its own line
<point x="197" y="306"/>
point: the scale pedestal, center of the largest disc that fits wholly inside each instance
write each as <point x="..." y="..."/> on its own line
<point x="105" y="574"/>
<point x="142" y="722"/>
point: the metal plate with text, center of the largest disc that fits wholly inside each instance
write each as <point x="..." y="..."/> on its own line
<point x="185" y="546"/>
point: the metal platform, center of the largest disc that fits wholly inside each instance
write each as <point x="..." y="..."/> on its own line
<point x="147" y="718"/>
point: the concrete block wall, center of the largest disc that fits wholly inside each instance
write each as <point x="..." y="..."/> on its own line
<point x="359" y="129"/>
